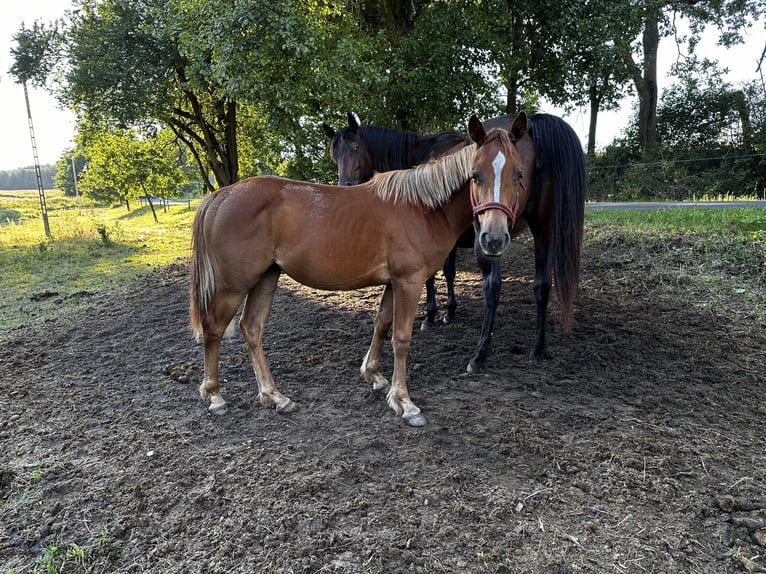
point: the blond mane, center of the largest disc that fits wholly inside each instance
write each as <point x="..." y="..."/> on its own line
<point x="431" y="184"/>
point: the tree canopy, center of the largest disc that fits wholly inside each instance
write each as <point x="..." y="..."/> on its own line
<point x="245" y="85"/>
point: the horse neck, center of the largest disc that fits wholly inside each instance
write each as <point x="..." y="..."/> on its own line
<point x="431" y="146"/>
<point x="392" y="149"/>
<point x="458" y="210"/>
<point x="389" y="149"/>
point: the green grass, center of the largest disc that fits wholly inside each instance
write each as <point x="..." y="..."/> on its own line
<point x="91" y="249"/>
<point x="715" y="258"/>
<point x="57" y="559"/>
<point x="743" y="222"/>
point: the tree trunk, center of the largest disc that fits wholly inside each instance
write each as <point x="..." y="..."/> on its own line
<point x="219" y="144"/>
<point x="512" y="71"/>
<point x="512" y="97"/>
<point x="647" y="89"/>
<point x="645" y="81"/>
<point x="203" y="169"/>
<point x="595" y="104"/>
<point x="740" y="104"/>
<point x="151" y="205"/>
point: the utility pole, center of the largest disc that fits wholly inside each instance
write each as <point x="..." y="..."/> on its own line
<point x="41" y="191"/>
<point x="74" y="178"/>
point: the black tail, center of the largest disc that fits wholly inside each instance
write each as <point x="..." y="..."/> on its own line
<point x="559" y="153"/>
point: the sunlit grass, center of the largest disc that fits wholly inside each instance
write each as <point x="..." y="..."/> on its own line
<point x="91" y="249"/>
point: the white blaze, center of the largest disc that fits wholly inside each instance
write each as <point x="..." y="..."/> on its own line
<point x="497" y="165"/>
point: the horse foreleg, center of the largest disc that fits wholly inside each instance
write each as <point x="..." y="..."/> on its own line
<point x="450" y="270"/>
<point x="491" y="283"/>
<point x="431" y="306"/>
<point x="252" y="324"/>
<point x="214" y="323"/>
<point x="405" y="306"/>
<point x="541" y="288"/>
<point x="384" y="317"/>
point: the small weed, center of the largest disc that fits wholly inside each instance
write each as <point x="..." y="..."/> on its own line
<point x="57" y="559"/>
<point x="36" y="475"/>
<point x="104" y="233"/>
<point x="483" y="558"/>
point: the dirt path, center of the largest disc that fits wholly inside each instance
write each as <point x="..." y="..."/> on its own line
<point x="638" y="448"/>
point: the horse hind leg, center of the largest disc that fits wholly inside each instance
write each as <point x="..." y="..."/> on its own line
<point x="431" y="307"/>
<point x="214" y="325"/>
<point x="384" y="318"/>
<point x="252" y="324"/>
<point x="541" y="288"/>
<point x="450" y="270"/>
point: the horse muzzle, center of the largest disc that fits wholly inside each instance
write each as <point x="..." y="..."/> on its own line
<point x="493" y="243"/>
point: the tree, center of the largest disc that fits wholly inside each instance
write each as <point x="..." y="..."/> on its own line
<point x="120" y="68"/>
<point x="703" y="113"/>
<point x="70" y="164"/>
<point x="592" y="71"/>
<point x="124" y="69"/>
<point x="658" y="19"/>
<point x="122" y="167"/>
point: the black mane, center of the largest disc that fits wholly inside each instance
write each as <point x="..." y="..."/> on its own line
<point x="393" y="149"/>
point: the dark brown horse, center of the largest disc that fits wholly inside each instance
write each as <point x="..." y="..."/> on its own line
<point x="555" y="173"/>
<point x="395" y="231"/>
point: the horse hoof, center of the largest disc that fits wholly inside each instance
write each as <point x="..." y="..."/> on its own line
<point x="217" y="409"/>
<point x="473" y="367"/>
<point x="427" y="324"/>
<point x="448" y="319"/>
<point x="382" y="390"/>
<point x="541" y="354"/>
<point x="416" y="420"/>
<point x="288" y="407"/>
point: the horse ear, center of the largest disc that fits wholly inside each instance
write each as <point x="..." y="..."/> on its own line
<point x="352" y="123"/>
<point x="328" y="130"/>
<point x="519" y="126"/>
<point x="476" y="130"/>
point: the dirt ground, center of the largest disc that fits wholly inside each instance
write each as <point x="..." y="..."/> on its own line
<point x="638" y="448"/>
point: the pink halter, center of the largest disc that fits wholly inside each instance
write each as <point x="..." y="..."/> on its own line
<point x="511" y="212"/>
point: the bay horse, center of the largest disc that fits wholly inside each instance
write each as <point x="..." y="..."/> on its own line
<point x="394" y="230"/>
<point x="554" y="168"/>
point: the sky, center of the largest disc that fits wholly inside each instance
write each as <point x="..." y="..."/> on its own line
<point x="54" y="126"/>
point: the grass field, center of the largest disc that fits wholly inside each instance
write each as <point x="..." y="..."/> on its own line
<point x="91" y="249"/>
<point x="712" y="254"/>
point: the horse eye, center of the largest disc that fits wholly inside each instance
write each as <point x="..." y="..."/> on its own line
<point x="356" y="149"/>
<point x="475" y="179"/>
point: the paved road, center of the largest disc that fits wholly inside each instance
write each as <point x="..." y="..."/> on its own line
<point x="673" y="204"/>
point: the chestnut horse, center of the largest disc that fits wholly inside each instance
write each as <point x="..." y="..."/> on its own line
<point x="554" y="168"/>
<point x="395" y="231"/>
<point x="361" y="150"/>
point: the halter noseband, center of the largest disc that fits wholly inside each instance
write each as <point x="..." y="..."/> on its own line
<point x="510" y="212"/>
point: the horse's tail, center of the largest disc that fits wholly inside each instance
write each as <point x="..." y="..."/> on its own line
<point x="559" y="153"/>
<point x="202" y="282"/>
